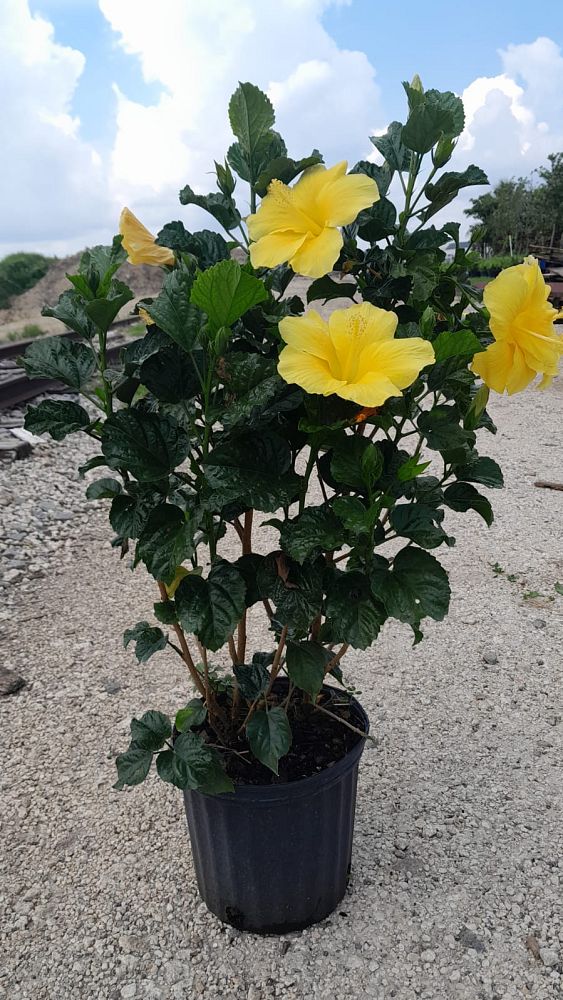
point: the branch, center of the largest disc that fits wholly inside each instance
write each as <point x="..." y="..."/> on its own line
<point x="336" y="659"/>
<point x="185" y="651"/>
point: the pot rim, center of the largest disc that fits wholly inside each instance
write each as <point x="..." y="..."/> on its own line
<point x="313" y="784"/>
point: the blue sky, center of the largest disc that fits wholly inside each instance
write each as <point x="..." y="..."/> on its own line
<point x="113" y="102"/>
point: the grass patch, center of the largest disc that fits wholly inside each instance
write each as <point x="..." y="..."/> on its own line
<point x="29" y="331"/>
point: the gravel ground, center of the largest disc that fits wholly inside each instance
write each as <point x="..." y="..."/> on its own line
<point x="458" y="857"/>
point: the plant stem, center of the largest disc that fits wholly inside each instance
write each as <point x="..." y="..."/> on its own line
<point x="336" y="659"/>
<point x="246" y="550"/>
<point x="325" y="711"/>
<point x="277" y="661"/>
<point x="185" y="651"/>
<point x="310" y="463"/>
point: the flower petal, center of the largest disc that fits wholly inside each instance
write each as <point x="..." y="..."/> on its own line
<point x="313" y="181"/>
<point x="371" y="390"/>
<point x="399" y="360"/>
<point x="318" y="254"/>
<point x="505" y="297"/>
<point x="308" y="333"/>
<point x="139" y="243"/>
<point x="275" y="248"/>
<point x="311" y="373"/>
<point x="494" y="364"/>
<point x="280" y="209"/>
<point x="520" y="375"/>
<point x="341" y="201"/>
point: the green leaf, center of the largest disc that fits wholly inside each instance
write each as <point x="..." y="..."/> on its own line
<point x="463" y="497"/>
<point x="221" y="207"/>
<point x="284" y="169"/>
<point x="201" y="765"/>
<point x="317" y="529"/>
<point x="68" y="361"/>
<point x="133" y="355"/>
<point x="71" y="310"/>
<point x="151" y="730"/>
<point x="213" y="607"/>
<point x="167" y="539"/>
<point x="476" y="408"/>
<point x="251" y="116"/>
<point x="209" y="248"/>
<point x="173" y="312"/>
<point x="462" y="343"/>
<point x="351" y="611"/>
<point x="129" y="514"/>
<point x="251" y="383"/>
<point x="56" y="417"/>
<point x="269" y="736"/>
<point x="427" y="239"/>
<point x="439" y="114"/>
<point x="306" y="665"/>
<point x="192" y="715"/>
<point x="252" y="470"/>
<point x="378" y="221"/>
<point x="170" y="373"/>
<point x="297" y="594"/>
<point x="165" y="612"/>
<point x="415" y="588"/>
<point x="382" y="175"/>
<point x="103" y="311"/>
<point x="559" y="588"/>
<point x="252" y="679"/>
<point x="448" y="186"/>
<point x="225" y="292"/>
<point x="482" y="470"/>
<point x="411" y="469"/>
<point x="98" y="264"/>
<point x="147" y="445"/>
<point x="93" y="463"/>
<point x="148" y="640"/>
<point x="103" y="489"/>
<point x="440" y="426"/>
<point x="132" y="767"/>
<point x="175" y="236"/>
<point x="327" y="289"/>
<point x="357" y="462"/>
<point x="392" y="147"/>
<point x="419" y="523"/>
<point x="354" y="516"/>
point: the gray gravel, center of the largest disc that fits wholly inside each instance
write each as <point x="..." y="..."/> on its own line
<point x="458" y="859"/>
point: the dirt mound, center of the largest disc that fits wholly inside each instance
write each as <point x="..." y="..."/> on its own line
<point x="26" y="308"/>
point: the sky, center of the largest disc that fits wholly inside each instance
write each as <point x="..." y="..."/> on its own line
<point x="122" y="102"/>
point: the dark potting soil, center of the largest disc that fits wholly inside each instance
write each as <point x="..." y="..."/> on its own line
<point x="318" y="743"/>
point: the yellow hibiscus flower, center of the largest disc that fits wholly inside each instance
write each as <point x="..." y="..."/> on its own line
<point x="139" y="243"/>
<point x="298" y="225"/>
<point x="353" y="355"/>
<point x="526" y="342"/>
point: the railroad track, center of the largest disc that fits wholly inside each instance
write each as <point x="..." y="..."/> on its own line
<point x="16" y="387"/>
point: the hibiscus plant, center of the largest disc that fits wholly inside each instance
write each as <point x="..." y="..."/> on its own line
<point x="244" y="412"/>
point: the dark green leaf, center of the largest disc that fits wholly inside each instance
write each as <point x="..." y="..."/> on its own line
<point x="212" y="608"/>
<point x="415" y="588"/>
<point x="167" y="539"/>
<point x="427" y="239"/>
<point x="148" y="640"/>
<point x="462" y="497"/>
<point x="93" y="463"/>
<point x="173" y="312"/>
<point x="175" y="236"/>
<point x="284" y="169"/>
<point x="218" y="205"/>
<point x="317" y="529"/>
<point x="56" y="417"/>
<point x="68" y="361"/>
<point x="99" y="264"/>
<point x="133" y="355"/>
<point x="462" y="343"/>
<point x="439" y="114"/>
<point x="103" y="489"/>
<point x="132" y="767"/>
<point x="392" y="147"/>
<point x="252" y="679"/>
<point x="147" y="445"/>
<point x="306" y="665"/>
<point x="440" y="426"/>
<point x="251" y="116"/>
<point x="71" y="310"/>
<point x="419" y="523"/>
<point x="482" y="470"/>
<point x="269" y="736"/>
<point x="351" y="465"/>
<point x="356" y="518"/>
<point x="151" y="730"/>
<point x="194" y="714"/>
<point x="208" y="247"/>
<point x="201" y="765"/>
<point x="378" y="221"/>
<point x="170" y="374"/>
<point x="129" y="514"/>
<point x="225" y="292"/>
<point x="351" y="611"/>
<point x="103" y="311"/>
<point x="165" y="612"/>
<point x="447" y="187"/>
<point x="476" y="408"/>
<point x="410" y="469"/>
<point x="251" y="382"/>
<point x="252" y="470"/>
<point x="327" y="289"/>
<point x="297" y="594"/>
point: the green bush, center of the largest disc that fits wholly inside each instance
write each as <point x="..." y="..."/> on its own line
<point x="18" y="272"/>
<point x="491" y="266"/>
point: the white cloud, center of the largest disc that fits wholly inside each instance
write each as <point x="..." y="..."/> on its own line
<point x="324" y="96"/>
<point x="53" y="187"/>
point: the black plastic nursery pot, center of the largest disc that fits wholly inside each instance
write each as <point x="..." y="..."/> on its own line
<point x="276" y="858"/>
